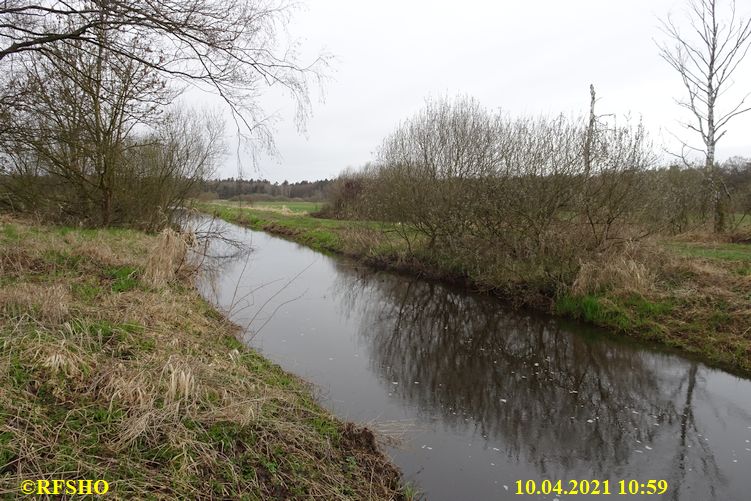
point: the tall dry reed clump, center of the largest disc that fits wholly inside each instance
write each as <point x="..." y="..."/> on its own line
<point x="631" y="270"/>
<point x="167" y="258"/>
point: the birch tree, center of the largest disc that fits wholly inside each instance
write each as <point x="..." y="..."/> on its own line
<point x="707" y="56"/>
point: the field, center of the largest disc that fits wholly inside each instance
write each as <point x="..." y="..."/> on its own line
<point x="114" y="368"/>
<point x="737" y="252"/>
<point x="326" y="235"/>
<point x="292" y="206"/>
<point x="690" y="295"/>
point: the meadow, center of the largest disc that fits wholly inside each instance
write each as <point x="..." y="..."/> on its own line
<point x="291" y="206"/>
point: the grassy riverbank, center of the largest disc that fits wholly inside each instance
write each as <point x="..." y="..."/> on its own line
<point x="114" y="368"/>
<point x="689" y="293"/>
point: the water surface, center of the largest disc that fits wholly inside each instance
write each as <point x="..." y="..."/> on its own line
<point x="483" y="396"/>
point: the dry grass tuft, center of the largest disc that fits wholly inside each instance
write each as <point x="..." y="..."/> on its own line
<point x="98" y="250"/>
<point x="625" y="272"/>
<point x="620" y="274"/>
<point x="165" y="258"/>
<point x="132" y="390"/>
<point x="182" y="386"/>
<point x="62" y="359"/>
<point x="49" y="303"/>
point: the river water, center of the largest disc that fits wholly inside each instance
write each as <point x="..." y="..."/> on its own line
<point x="481" y="396"/>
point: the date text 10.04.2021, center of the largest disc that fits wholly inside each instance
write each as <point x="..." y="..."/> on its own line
<point x="591" y="487"/>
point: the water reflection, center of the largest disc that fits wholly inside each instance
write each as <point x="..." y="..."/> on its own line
<point x="217" y="249"/>
<point x="562" y="401"/>
<point x="498" y="395"/>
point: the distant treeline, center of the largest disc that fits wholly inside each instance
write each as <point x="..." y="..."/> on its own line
<point x="258" y="189"/>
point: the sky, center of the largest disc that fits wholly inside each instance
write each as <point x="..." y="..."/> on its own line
<point x="525" y="57"/>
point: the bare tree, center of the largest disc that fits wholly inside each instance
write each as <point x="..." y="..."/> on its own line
<point x="508" y="198"/>
<point x="231" y="47"/>
<point x="706" y="58"/>
<point x="165" y="167"/>
<point x="74" y="120"/>
<point x="89" y="140"/>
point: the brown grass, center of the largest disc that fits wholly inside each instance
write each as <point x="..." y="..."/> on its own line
<point x="698" y="304"/>
<point x="167" y="258"/>
<point x="631" y="270"/>
<point x="145" y="386"/>
<point x="45" y="302"/>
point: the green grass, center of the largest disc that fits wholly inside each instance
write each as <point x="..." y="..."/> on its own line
<point x="631" y="313"/>
<point x="124" y="278"/>
<point x="10" y="232"/>
<point x="86" y="291"/>
<point x="326" y="235"/>
<point x="717" y="251"/>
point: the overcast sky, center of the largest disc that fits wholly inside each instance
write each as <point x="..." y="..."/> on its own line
<point x="524" y="56"/>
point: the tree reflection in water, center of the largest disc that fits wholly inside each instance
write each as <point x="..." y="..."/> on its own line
<point x="564" y="402"/>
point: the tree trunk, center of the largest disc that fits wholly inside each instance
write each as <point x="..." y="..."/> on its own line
<point x="719" y="209"/>
<point x="106" y="207"/>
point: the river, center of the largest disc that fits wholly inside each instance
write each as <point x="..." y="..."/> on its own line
<point x="477" y="396"/>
